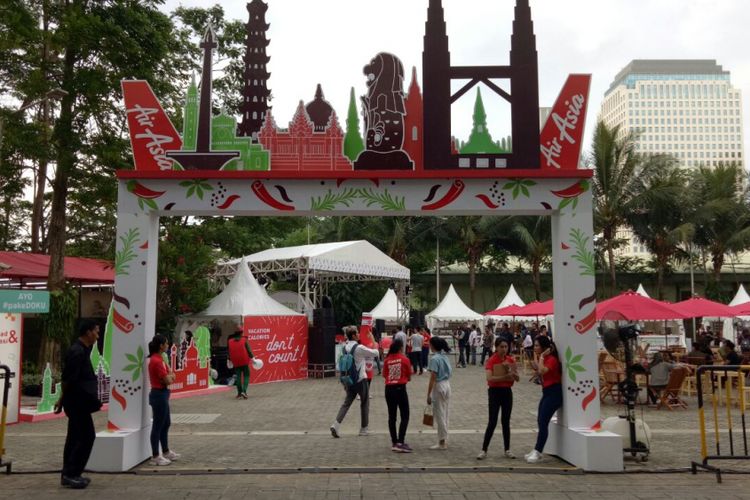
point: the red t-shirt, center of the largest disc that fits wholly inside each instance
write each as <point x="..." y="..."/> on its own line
<point x="495" y="360"/>
<point x="157" y="370"/>
<point x="385" y="344"/>
<point x="554" y="374"/>
<point x="396" y="369"/>
<point x="426" y="343"/>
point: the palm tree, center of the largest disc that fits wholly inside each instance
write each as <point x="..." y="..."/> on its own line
<point x="659" y="216"/>
<point x="722" y="216"/>
<point x="533" y="238"/>
<point x="616" y="167"/>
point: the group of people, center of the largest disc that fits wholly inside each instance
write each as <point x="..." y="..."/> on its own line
<point x="501" y="374"/>
<point x="471" y="341"/>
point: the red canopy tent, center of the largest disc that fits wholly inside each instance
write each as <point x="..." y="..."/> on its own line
<point x="19" y="269"/>
<point x="630" y="306"/>
<point x="511" y="310"/>
<point x="698" y="307"/>
<point x="538" y="308"/>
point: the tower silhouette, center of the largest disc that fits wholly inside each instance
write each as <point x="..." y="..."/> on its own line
<point x="523" y="97"/>
<point x="255" y="92"/>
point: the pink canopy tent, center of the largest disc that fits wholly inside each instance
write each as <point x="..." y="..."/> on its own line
<point x="630" y="306"/>
<point x="698" y="307"/>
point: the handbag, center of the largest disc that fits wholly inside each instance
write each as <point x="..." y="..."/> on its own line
<point x="427" y="416"/>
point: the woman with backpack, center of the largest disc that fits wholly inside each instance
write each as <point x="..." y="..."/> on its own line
<point x="397" y="373"/>
<point x="439" y="390"/>
<point x="549" y="370"/>
<point x="499" y="395"/>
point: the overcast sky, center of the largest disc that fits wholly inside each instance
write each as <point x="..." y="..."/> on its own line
<point x="329" y="41"/>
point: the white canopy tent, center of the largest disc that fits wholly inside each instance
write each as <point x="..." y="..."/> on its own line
<point x="315" y="267"/>
<point x="389" y="308"/>
<point x="452" y="309"/>
<point x="728" y="329"/>
<point x="511" y="299"/>
<point x="642" y="291"/>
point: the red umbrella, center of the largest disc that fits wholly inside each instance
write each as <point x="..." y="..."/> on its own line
<point x="741" y="309"/>
<point x="538" y="308"/>
<point x="630" y="306"/>
<point x="511" y="310"/>
<point x="699" y="307"/>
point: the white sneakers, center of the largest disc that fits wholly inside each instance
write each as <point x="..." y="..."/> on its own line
<point x="482" y="455"/>
<point x="509" y="454"/>
<point x="335" y="429"/>
<point x="364" y="431"/>
<point x="171" y="456"/>
<point x="533" y="457"/>
<point x="439" y="446"/>
<point x="160" y="460"/>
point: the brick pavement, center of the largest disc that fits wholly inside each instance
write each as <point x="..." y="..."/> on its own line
<point x="285" y="426"/>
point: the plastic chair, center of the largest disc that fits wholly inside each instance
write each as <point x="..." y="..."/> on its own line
<point x="670" y="397"/>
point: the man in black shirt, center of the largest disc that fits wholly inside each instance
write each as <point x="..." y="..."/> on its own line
<point x="79" y="399"/>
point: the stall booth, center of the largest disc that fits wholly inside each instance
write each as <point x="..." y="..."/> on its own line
<point x="277" y="334"/>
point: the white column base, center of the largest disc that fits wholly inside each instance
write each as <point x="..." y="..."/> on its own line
<point x="596" y="451"/>
<point x="119" y="451"/>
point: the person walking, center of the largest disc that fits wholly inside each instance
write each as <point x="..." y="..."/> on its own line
<point x="79" y="399"/>
<point x="426" y="336"/>
<point x="488" y="339"/>
<point x="415" y="356"/>
<point x="462" y="336"/>
<point x="475" y="343"/>
<point x="160" y="377"/>
<point x="397" y="372"/>
<point x="439" y="389"/>
<point x="549" y="370"/>
<point x="240" y="355"/>
<point x="499" y="395"/>
<point x="360" y="387"/>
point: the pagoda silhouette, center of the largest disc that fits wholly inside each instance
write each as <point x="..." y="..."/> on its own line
<point x="255" y="92"/>
<point x="523" y="96"/>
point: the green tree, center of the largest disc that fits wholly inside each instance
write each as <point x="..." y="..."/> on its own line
<point x="722" y="216"/>
<point x="659" y="216"/>
<point x="617" y="167"/>
<point x="532" y="243"/>
<point x="353" y="143"/>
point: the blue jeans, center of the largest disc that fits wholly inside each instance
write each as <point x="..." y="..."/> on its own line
<point x="551" y="402"/>
<point x="159" y="401"/>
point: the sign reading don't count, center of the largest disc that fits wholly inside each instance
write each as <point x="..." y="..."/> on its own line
<point x="24" y="301"/>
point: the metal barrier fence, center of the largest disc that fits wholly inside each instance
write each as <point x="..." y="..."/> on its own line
<point x="723" y="376"/>
<point x="5" y="376"/>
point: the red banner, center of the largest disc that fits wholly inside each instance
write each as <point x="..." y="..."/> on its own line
<point x="562" y="135"/>
<point x="281" y="343"/>
<point x="151" y="132"/>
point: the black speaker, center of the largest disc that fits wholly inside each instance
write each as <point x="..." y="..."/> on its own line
<point x="416" y="319"/>
<point x="380" y="326"/>
<point x="321" y="343"/>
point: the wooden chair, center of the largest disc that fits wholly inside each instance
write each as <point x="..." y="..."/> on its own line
<point x="670" y="397"/>
<point x="612" y="376"/>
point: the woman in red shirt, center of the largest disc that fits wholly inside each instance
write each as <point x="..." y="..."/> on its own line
<point x="160" y="378"/>
<point x="397" y="372"/>
<point x="499" y="395"/>
<point x="550" y="372"/>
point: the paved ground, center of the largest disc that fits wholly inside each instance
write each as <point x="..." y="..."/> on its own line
<point x="285" y="426"/>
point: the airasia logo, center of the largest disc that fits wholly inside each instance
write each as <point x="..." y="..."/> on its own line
<point x="154" y="142"/>
<point x="561" y="137"/>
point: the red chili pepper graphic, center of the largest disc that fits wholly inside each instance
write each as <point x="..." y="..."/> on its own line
<point x="486" y="200"/>
<point x="263" y="195"/>
<point x="586" y="323"/>
<point x="142" y="191"/>
<point x="228" y="202"/>
<point x="588" y="399"/>
<point x="121" y="322"/>
<point x="144" y="246"/>
<point x="572" y="191"/>
<point x="119" y="398"/>
<point x="564" y="246"/>
<point x="111" y="426"/>
<point x="454" y="192"/>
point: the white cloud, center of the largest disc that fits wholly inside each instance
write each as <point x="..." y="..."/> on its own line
<point x="329" y="41"/>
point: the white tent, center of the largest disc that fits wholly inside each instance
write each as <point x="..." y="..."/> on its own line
<point x="741" y="297"/>
<point x="388" y="307"/>
<point x="243" y="296"/>
<point x="452" y="308"/>
<point x="511" y="298"/>
<point x="642" y="291"/>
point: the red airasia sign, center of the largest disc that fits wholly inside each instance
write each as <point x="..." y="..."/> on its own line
<point x="562" y="135"/>
<point x="281" y="343"/>
<point x="151" y="132"/>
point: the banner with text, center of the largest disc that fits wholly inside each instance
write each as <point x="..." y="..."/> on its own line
<point x="281" y="343"/>
<point x="10" y="355"/>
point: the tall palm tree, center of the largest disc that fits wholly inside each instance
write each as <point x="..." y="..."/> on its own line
<point x="722" y="216"/>
<point x="616" y="167"/>
<point x="533" y="238"/>
<point x="659" y="215"/>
